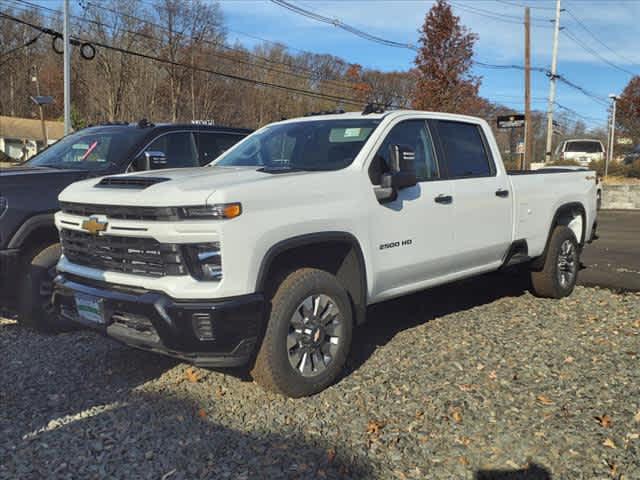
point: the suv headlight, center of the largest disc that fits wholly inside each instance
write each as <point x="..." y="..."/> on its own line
<point x="4" y="204"/>
<point x="218" y="211"/>
<point x="205" y="261"/>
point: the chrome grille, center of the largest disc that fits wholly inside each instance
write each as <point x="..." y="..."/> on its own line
<point x="137" y="256"/>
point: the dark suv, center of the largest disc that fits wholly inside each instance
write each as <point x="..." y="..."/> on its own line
<point x="29" y="248"/>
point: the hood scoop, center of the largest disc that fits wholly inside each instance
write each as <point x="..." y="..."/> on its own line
<point x="135" y="183"/>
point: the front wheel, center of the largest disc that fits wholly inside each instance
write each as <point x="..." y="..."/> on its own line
<point x="35" y="309"/>
<point x="558" y="277"/>
<point x="308" y="335"/>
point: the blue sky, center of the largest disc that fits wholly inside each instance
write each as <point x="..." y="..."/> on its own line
<point x="501" y="40"/>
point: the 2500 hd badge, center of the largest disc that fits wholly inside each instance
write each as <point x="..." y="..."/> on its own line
<point x="404" y="243"/>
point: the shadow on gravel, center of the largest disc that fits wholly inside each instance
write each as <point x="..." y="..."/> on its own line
<point x="534" y="472"/>
<point x="61" y="376"/>
<point x="149" y="435"/>
<point x="385" y="320"/>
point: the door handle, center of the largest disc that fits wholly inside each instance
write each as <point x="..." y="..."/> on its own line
<point x="502" y="193"/>
<point x="444" y="199"/>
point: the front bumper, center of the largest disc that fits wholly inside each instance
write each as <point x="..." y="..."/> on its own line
<point x="215" y="333"/>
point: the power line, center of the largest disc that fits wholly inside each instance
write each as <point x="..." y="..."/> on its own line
<point x="340" y="24"/>
<point x="20" y="47"/>
<point x="329" y="82"/>
<point x="309" y="93"/>
<point x="235" y="50"/>
<point x="594" y="53"/>
<point x="582" y="25"/>
<point x="500" y="17"/>
<point x="524" y="5"/>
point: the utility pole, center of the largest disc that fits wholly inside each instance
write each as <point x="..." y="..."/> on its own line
<point x="528" y="130"/>
<point x="612" y="133"/>
<point x="552" y="85"/>
<point x="66" y="31"/>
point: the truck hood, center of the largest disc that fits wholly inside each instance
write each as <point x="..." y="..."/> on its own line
<point x="175" y="187"/>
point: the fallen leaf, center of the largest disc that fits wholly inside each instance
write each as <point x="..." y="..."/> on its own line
<point x="463" y="461"/>
<point x="465" y="387"/>
<point x="493" y="375"/>
<point x="609" y="443"/>
<point x="604" y="420"/>
<point x="373" y="427"/>
<point x="202" y="413"/>
<point x="220" y="392"/>
<point x="192" y="375"/>
<point x="419" y="414"/>
<point x="456" y="415"/>
<point x="331" y="455"/>
<point x="545" y="400"/>
<point x="637" y="416"/>
<point x="569" y="359"/>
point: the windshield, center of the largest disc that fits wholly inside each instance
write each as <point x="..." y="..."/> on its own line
<point x="584" y="147"/>
<point x="88" y="150"/>
<point x="310" y="145"/>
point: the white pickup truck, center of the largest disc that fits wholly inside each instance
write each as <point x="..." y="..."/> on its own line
<point x="270" y="255"/>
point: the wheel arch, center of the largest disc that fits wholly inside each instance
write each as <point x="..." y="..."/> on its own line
<point x="337" y="252"/>
<point x="37" y="229"/>
<point x="566" y="214"/>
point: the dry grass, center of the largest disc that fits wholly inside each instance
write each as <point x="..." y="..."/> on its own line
<point x="613" y="180"/>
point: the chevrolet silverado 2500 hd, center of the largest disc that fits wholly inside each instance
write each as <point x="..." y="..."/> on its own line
<point x="270" y="255"/>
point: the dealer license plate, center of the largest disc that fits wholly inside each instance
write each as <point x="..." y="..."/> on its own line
<point x="89" y="308"/>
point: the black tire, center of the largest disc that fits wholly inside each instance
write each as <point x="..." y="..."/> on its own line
<point x="274" y="366"/>
<point x="558" y="277"/>
<point x="34" y="299"/>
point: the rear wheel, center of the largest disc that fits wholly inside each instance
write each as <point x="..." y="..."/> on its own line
<point x="308" y="335"/>
<point x="559" y="274"/>
<point x="35" y="309"/>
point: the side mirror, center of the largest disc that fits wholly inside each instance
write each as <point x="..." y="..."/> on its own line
<point x="153" y="160"/>
<point x="402" y="175"/>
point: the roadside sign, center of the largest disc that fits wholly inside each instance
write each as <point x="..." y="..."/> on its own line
<point x="510" y="121"/>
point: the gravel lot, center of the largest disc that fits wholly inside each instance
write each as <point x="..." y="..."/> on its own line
<point x="458" y="382"/>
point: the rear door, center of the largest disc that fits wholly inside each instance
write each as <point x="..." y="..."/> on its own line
<point x="482" y="196"/>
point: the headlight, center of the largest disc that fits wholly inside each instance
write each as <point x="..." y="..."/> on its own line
<point x="4" y="204"/>
<point x="205" y="261"/>
<point x="218" y="211"/>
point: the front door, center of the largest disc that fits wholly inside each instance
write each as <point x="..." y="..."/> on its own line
<point x="412" y="237"/>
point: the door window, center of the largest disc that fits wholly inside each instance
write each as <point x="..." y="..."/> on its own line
<point x="414" y="134"/>
<point x="211" y="145"/>
<point x="464" y="150"/>
<point x="178" y="147"/>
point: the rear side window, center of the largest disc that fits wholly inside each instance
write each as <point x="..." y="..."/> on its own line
<point x="464" y="149"/>
<point x="178" y="147"/>
<point x="211" y="145"/>
<point x="583" y="147"/>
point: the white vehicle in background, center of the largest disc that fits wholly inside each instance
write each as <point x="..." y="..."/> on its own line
<point x="582" y="151"/>
<point x="270" y="256"/>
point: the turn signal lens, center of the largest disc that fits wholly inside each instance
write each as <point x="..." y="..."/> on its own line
<point x="232" y="210"/>
<point x="219" y="211"/>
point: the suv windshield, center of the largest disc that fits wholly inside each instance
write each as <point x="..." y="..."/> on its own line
<point x="88" y="149"/>
<point x="309" y="145"/>
<point x="584" y="147"/>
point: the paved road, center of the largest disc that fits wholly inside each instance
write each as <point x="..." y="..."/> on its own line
<point x="613" y="261"/>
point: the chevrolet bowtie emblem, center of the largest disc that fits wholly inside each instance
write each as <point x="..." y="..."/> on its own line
<point x="95" y="224"/>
